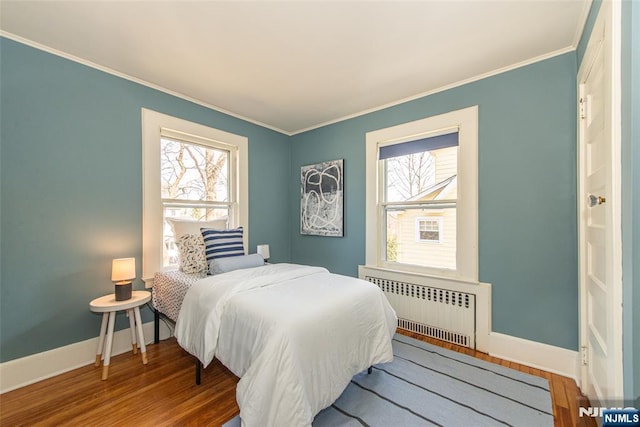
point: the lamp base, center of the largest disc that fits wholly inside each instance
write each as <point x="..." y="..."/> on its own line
<point x="123" y="291"/>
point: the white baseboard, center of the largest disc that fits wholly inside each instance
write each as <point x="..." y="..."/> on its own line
<point x="36" y="367"/>
<point x="547" y="357"/>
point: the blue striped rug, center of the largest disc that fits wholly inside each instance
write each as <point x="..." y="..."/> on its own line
<point x="426" y="385"/>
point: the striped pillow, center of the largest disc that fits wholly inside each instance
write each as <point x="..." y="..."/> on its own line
<point x="222" y="243"/>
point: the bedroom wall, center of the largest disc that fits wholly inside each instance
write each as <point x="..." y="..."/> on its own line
<point x="71" y="191"/>
<point x="527" y="193"/>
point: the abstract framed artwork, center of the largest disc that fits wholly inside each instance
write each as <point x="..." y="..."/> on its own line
<point x="321" y="199"/>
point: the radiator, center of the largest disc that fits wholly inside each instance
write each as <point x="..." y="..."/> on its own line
<point x="439" y="313"/>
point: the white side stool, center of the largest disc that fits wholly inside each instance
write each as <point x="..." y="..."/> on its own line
<point x="108" y="306"/>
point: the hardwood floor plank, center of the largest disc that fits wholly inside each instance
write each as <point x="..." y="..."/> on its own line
<point x="164" y="393"/>
<point x="563" y="417"/>
<point x="572" y="393"/>
<point x="559" y="396"/>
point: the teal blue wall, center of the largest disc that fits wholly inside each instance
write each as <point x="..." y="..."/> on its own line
<point x="527" y="193"/>
<point x="71" y="191"/>
<point x="588" y="28"/>
<point x="631" y="198"/>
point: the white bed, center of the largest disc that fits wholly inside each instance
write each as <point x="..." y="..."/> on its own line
<point x="294" y="334"/>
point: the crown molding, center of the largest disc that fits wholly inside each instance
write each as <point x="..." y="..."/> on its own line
<point x="310" y="128"/>
<point x="443" y="88"/>
<point x="116" y="73"/>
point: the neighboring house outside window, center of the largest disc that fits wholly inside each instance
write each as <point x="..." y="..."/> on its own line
<point x="417" y="186"/>
<point x="422" y="196"/>
<point x="191" y="172"/>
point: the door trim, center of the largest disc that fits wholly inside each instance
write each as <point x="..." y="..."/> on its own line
<point x="609" y="21"/>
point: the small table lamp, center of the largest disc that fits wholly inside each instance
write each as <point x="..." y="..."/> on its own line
<point x="264" y="251"/>
<point x="123" y="271"/>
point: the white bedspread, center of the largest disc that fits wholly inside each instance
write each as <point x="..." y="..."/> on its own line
<point x="294" y="334"/>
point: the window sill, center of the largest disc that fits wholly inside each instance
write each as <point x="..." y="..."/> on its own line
<point x="419" y="274"/>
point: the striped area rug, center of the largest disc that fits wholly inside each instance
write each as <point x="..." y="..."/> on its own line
<point x="426" y="385"/>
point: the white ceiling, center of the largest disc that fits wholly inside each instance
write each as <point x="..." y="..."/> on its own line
<point x="298" y="64"/>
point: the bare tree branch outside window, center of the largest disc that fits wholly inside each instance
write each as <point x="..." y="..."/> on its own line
<point x="192" y="172"/>
<point x="409" y="175"/>
<point x="194" y="184"/>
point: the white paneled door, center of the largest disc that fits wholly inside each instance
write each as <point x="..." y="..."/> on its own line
<point x="599" y="211"/>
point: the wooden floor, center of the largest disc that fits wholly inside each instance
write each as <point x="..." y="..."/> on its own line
<point x="163" y="393"/>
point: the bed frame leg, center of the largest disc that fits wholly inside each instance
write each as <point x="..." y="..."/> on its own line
<point x="156" y="326"/>
<point x="198" y="371"/>
<point x="370" y="370"/>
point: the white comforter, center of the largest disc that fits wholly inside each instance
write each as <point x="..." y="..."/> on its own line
<point x="294" y="334"/>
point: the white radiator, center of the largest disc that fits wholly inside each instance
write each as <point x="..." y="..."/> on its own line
<point x="444" y="314"/>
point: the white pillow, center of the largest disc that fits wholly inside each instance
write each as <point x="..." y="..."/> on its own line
<point x="224" y="265"/>
<point x="181" y="227"/>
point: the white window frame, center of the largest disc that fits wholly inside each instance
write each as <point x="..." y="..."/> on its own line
<point x="154" y="126"/>
<point x="465" y="121"/>
<point x="438" y="220"/>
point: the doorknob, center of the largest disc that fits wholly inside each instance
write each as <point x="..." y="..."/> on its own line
<point x="595" y="200"/>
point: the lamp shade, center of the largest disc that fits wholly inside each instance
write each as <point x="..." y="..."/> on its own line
<point x="123" y="269"/>
<point x="264" y="251"/>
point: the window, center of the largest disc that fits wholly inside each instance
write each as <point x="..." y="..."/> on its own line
<point x="422" y="196"/>
<point x="428" y="230"/>
<point x="419" y="179"/>
<point x="190" y="171"/>
<point x="195" y="184"/>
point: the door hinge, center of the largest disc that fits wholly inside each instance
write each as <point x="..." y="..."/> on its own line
<point x="582" y="107"/>
<point x="585" y="357"/>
